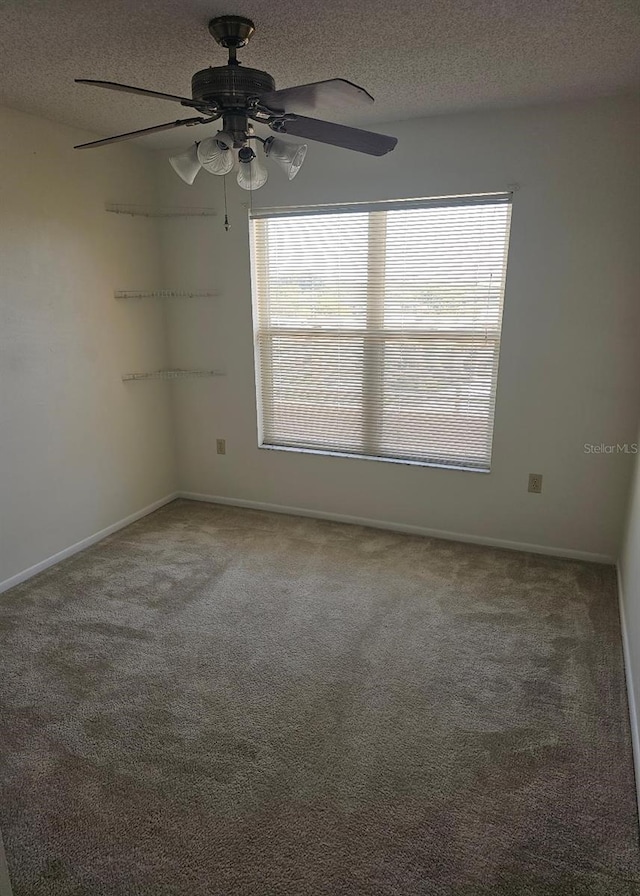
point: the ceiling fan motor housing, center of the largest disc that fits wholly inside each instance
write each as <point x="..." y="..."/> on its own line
<point x="230" y="86"/>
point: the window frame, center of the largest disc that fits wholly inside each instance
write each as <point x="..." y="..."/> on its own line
<point x="373" y="333"/>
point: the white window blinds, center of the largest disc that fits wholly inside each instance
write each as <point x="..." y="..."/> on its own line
<point x="378" y="327"/>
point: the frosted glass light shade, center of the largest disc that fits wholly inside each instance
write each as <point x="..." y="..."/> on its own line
<point x="215" y="154"/>
<point x="251" y="175"/>
<point x="187" y="164"/>
<point x="289" y="156"/>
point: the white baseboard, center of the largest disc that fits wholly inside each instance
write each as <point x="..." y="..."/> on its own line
<point x="85" y="543"/>
<point x="631" y="697"/>
<point x="5" y="883"/>
<point x="401" y="527"/>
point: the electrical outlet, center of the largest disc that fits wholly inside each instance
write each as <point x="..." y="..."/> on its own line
<point x="535" y="483"/>
<point x="221" y="446"/>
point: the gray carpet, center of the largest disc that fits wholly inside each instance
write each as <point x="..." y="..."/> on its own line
<point x="223" y="702"/>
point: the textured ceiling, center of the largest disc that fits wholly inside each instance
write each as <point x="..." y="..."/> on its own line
<point x="417" y="58"/>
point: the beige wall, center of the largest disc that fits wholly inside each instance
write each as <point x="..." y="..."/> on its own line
<point x="569" y="365"/>
<point x="79" y="449"/>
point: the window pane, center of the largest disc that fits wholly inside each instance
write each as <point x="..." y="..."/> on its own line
<point x="312" y="391"/>
<point x="437" y="396"/>
<point x="445" y="267"/>
<point x="317" y="271"/>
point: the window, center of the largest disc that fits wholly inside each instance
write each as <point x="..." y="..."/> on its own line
<point x="378" y="327"/>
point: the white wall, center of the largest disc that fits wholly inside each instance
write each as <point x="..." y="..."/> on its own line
<point x="629" y="581"/>
<point x="79" y="449"/>
<point x="569" y="365"/>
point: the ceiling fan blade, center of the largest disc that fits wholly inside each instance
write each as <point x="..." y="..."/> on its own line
<point x="158" y="127"/>
<point x="336" y="135"/>
<point x="111" y="85"/>
<point x="307" y="97"/>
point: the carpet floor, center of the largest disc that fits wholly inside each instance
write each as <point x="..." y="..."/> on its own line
<point x="225" y="702"/>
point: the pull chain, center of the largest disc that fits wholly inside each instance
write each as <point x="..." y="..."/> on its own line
<point x="227" y="226"/>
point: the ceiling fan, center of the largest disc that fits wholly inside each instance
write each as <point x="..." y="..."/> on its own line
<point x="241" y="96"/>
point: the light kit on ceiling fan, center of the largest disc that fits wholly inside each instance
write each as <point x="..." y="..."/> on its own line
<point x="240" y="96"/>
<point x="215" y="156"/>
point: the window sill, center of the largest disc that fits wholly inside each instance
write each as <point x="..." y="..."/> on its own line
<point x="388" y="460"/>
